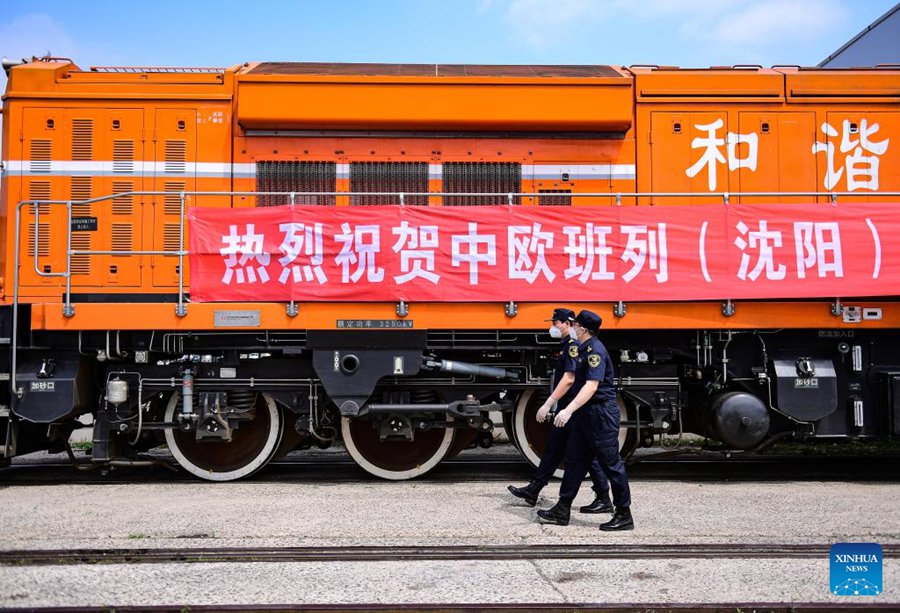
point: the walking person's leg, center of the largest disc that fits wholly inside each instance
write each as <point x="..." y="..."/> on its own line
<point x="553" y="455"/>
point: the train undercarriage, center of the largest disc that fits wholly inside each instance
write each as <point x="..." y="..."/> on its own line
<point x="403" y="401"/>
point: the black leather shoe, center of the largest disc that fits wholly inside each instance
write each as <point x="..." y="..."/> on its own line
<point x="601" y="504"/>
<point x="620" y="521"/>
<point x="529" y="493"/>
<point x="557" y="514"/>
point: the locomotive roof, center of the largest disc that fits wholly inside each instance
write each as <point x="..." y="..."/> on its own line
<point x="431" y="70"/>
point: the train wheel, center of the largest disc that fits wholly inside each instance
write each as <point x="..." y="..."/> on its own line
<point x="628" y="440"/>
<point x="464" y="437"/>
<point x="531" y="436"/>
<point x="250" y="448"/>
<point x="510" y="428"/>
<point x="290" y="438"/>
<point x="395" y="460"/>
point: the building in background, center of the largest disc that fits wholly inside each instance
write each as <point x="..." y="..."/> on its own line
<point x="877" y="44"/>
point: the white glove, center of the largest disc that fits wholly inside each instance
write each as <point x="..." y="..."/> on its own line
<point x="563" y="417"/>
<point x="544" y="411"/>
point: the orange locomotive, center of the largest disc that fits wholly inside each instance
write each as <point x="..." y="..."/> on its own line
<point x="100" y="167"/>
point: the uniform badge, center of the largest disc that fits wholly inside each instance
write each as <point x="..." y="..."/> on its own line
<point x="573" y="351"/>
<point x="594" y="361"/>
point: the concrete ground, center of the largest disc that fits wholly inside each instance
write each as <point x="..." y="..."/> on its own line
<point x="266" y="514"/>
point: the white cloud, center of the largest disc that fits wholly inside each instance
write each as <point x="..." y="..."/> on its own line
<point x="687" y="9"/>
<point x="544" y="23"/>
<point x="36" y="34"/>
<point x="750" y="25"/>
<point x="33" y="34"/>
<point x="485" y="5"/>
<point x="764" y="22"/>
<point x="744" y="29"/>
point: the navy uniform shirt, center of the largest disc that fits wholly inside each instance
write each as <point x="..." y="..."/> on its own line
<point x="566" y="362"/>
<point x="594" y="365"/>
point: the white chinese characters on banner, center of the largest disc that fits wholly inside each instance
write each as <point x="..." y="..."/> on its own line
<point x="301" y="239"/>
<point x="814" y="249"/>
<point x="712" y="154"/>
<point x="473" y="254"/>
<point x="359" y="245"/>
<point x="817" y="246"/>
<point x="643" y="245"/>
<point x="529" y="252"/>
<point x="763" y="242"/>
<point x="761" y="251"/>
<point x="862" y="169"/>
<point x="527" y="248"/>
<point x="588" y="252"/>
<point x="416" y="248"/>
<point x="245" y="259"/>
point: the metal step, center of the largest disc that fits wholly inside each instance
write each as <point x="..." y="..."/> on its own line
<point x="4" y="376"/>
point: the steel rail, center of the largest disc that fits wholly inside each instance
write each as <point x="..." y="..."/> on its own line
<point x="333" y="468"/>
<point x="563" y="551"/>
<point x="671" y="606"/>
<point x="686" y="456"/>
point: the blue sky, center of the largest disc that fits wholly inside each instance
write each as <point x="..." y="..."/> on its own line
<point x="618" y="32"/>
<point x="225" y="32"/>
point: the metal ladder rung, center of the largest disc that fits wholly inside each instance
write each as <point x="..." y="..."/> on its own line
<point x="4" y="376"/>
<point x="5" y="340"/>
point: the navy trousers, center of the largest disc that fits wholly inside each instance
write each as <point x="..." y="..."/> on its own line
<point x="554" y="453"/>
<point x="595" y="434"/>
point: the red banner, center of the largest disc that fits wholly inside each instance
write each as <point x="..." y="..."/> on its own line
<point x="501" y="253"/>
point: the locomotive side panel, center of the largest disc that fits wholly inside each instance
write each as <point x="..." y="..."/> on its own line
<point x="80" y="154"/>
<point x="766" y="131"/>
<point x="89" y="135"/>
<point x="783" y="162"/>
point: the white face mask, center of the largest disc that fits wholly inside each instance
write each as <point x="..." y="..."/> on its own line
<point x="572" y="334"/>
<point x="554" y="332"/>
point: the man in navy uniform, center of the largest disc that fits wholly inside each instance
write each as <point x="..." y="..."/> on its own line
<point x="595" y="431"/>
<point x="562" y="394"/>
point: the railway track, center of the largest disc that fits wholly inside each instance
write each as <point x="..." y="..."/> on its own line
<point x="759" y="607"/>
<point x="327" y="555"/>
<point x="39" y="557"/>
<point x="337" y="467"/>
